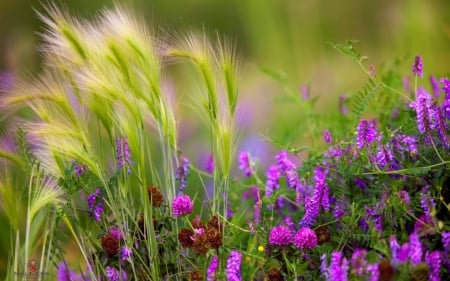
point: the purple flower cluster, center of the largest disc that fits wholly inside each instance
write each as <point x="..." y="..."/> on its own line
<point x="123" y="153"/>
<point x="433" y="260"/>
<point x="79" y="169"/>
<point x="280" y="235"/>
<point x="417" y="67"/>
<point x="95" y="205"/>
<point x="66" y="274"/>
<point x="415" y="249"/>
<point x="273" y="176"/>
<point x="358" y="262"/>
<point x="429" y="116"/>
<point x="366" y="133"/>
<point x="338" y="269"/>
<point x="445" y="107"/>
<point x="210" y="164"/>
<point x="126" y="253"/>
<point x="245" y="164"/>
<point x="182" y="205"/>
<point x="233" y="269"/>
<point x="319" y="198"/>
<point x="212" y="268"/>
<point x="112" y="274"/>
<point x="305" y="238"/>
<point x="182" y="173"/>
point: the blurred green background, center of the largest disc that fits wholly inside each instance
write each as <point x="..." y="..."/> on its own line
<point x="288" y="37"/>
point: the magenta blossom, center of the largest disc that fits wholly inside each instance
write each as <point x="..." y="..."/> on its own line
<point x="182" y="205"/>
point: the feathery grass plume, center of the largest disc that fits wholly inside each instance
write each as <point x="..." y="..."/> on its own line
<point x="11" y="200"/>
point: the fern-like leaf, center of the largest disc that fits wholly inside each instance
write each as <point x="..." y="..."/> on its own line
<point x="363" y="98"/>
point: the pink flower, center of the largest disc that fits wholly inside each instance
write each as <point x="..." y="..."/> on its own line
<point x="182" y="205"/>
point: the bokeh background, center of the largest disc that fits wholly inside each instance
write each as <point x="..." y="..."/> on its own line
<point x="285" y="37"/>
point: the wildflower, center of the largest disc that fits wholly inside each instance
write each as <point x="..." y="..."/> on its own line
<point x="426" y="202"/>
<point x="213" y="237"/>
<point x="182" y="173"/>
<point x="274" y="274"/>
<point x="408" y="144"/>
<point x="155" y="196"/>
<point x="283" y="162"/>
<point x="384" y="156"/>
<point x="327" y="136"/>
<point x="423" y="105"/>
<point x="342" y="108"/>
<point x="417" y="67"/>
<point x="441" y="126"/>
<point x="110" y="244"/>
<point x="112" y="274"/>
<point x="260" y="248"/>
<point x="272" y="183"/>
<point x="280" y="235"/>
<point x="305" y="92"/>
<point x="406" y="84"/>
<point x="95" y="205"/>
<point x="433" y="260"/>
<point x="212" y="268"/>
<point x="125" y="253"/>
<point x="320" y="197"/>
<point x="185" y="237"/>
<point x="366" y="133"/>
<point x="292" y="178"/>
<point x="195" y="276"/>
<point x="415" y="249"/>
<point x="233" y="268"/>
<point x="79" y="170"/>
<point x="210" y="164"/>
<point x="435" y="86"/>
<point x="338" y="267"/>
<point x="374" y="272"/>
<point x="65" y="274"/>
<point x="445" y="238"/>
<point x="182" y="205"/>
<point x="305" y="239"/>
<point x="245" y="164"/>
<point x="323" y="267"/>
<point x="116" y="233"/>
<point x="358" y="262"/>
<point x="122" y="152"/>
<point x="445" y="107"/>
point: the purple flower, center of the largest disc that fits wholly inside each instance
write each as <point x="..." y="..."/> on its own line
<point x="112" y="274"/>
<point x="323" y="266"/>
<point x="441" y="125"/>
<point x="6" y="81"/>
<point x="182" y="205"/>
<point x="426" y="202"/>
<point x="342" y="108"/>
<point x="233" y="269"/>
<point x="404" y="196"/>
<point x="305" y="92"/>
<point x="95" y="205"/>
<point x="433" y="261"/>
<point x="305" y="239"/>
<point x="374" y="272"/>
<point x="65" y="274"/>
<point x="272" y="183"/>
<point x="417" y="67"/>
<point x="446" y="245"/>
<point x="212" y="268"/>
<point x="415" y="249"/>
<point x="79" y="170"/>
<point x="366" y="133"/>
<point x="338" y="267"/>
<point x="445" y="107"/>
<point x="435" y="86"/>
<point x="210" y="164"/>
<point x="327" y="136"/>
<point x="423" y="105"/>
<point x="280" y="235"/>
<point x="283" y="162"/>
<point x="320" y="197"/>
<point x="126" y="253"/>
<point x="408" y="144"/>
<point x="245" y="164"/>
<point x="358" y="262"/>
<point x="182" y="173"/>
<point x="406" y="84"/>
<point x="122" y="152"/>
<point x="384" y="156"/>
<point x="116" y="233"/>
